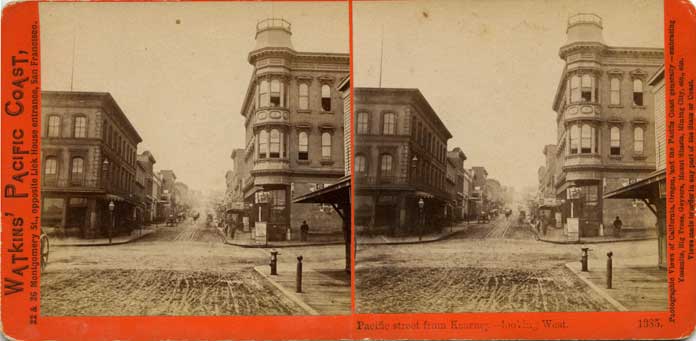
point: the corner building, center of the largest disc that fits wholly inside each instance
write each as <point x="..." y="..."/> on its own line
<point x="605" y="135"/>
<point x="400" y="159"/>
<point x="88" y="158"/>
<point x="294" y="132"/>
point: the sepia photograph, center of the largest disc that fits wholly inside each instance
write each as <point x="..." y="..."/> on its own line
<point x="194" y="159"/>
<point x="509" y="156"/>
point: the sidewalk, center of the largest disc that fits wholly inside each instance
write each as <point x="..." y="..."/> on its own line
<point x="244" y="239"/>
<point x="122" y="239"/>
<point x="634" y="287"/>
<point x="557" y="236"/>
<point x="432" y="237"/>
<point x="325" y="289"/>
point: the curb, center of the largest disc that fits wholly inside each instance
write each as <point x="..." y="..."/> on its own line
<point x="634" y="239"/>
<point x="437" y="239"/>
<point x="58" y="244"/>
<point x="290" y="295"/>
<point x="597" y="289"/>
<point x="272" y="245"/>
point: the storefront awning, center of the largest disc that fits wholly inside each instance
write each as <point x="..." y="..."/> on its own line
<point x="338" y="193"/>
<point x="648" y="188"/>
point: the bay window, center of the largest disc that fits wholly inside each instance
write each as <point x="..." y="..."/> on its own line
<point x="275" y="93"/>
<point x="263" y="144"/>
<point x="586" y="88"/>
<point x="575" y="89"/>
<point x="275" y="144"/>
<point x="264" y="99"/>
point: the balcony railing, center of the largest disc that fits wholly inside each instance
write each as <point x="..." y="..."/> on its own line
<point x="68" y="183"/>
<point x="581" y="18"/>
<point x="273" y="23"/>
<point x="399" y="181"/>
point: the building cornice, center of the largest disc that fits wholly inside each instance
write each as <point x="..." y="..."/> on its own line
<point x="99" y="100"/>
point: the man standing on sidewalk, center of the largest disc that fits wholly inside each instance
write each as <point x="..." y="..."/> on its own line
<point x="617" y="227"/>
<point x="304" y="231"/>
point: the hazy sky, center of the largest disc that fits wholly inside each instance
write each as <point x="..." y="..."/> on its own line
<point x="489" y="68"/>
<point x="181" y="85"/>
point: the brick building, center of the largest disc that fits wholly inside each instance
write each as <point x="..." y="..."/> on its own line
<point x="293" y="117"/>
<point x="459" y="190"/>
<point x="605" y="127"/>
<point x="150" y="197"/>
<point x="479" y="202"/>
<point x="400" y="158"/>
<point x="88" y="152"/>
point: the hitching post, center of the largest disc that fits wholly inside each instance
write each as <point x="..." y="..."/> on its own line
<point x="609" y="270"/>
<point x="298" y="286"/>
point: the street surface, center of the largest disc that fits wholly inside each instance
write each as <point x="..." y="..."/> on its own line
<point x="495" y="267"/>
<point x="181" y="270"/>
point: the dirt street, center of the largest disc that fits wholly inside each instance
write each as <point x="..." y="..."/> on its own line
<point x="181" y="270"/>
<point x="497" y="267"/>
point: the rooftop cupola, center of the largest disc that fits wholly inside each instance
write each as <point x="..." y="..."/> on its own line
<point x="273" y="32"/>
<point x="584" y="27"/>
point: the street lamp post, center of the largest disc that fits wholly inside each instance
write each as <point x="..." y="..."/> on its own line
<point x="111" y="212"/>
<point x="421" y="203"/>
<point x="414" y="164"/>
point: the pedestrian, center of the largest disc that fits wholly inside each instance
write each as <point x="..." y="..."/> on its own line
<point x="617" y="226"/>
<point x="304" y="231"/>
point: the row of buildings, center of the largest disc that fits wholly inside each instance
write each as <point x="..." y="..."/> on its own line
<point x="404" y="172"/>
<point x="610" y="133"/>
<point x="92" y="177"/>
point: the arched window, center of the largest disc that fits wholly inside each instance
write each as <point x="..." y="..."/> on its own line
<point x="385" y="165"/>
<point x="275" y="143"/>
<point x="275" y="93"/>
<point x="637" y="92"/>
<point x="615" y="141"/>
<point x="586" y="88"/>
<point x="326" y="145"/>
<point x="80" y="126"/>
<point x="574" y="89"/>
<point x="389" y="124"/>
<point x="615" y="91"/>
<point x="363" y="123"/>
<point x="574" y="139"/>
<point x="304" y="96"/>
<point x="77" y="169"/>
<point x="264" y="99"/>
<point x="303" y="146"/>
<point x="326" y="97"/>
<point x="360" y="164"/>
<point x="638" y="140"/>
<point x="263" y="144"/>
<point x="53" y="126"/>
<point x="50" y="166"/>
<point x="586" y="139"/>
